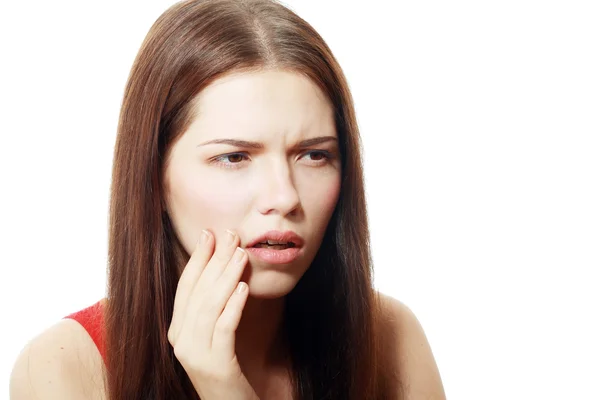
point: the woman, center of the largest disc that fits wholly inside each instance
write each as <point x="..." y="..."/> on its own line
<point x="239" y="260"/>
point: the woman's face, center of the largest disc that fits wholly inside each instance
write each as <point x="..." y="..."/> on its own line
<point x="275" y="181"/>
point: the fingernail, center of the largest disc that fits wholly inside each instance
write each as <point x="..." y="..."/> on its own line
<point x="240" y="287"/>
<point x="239" y="254"/>
<point x="231" y="236"/>
<point x="204" y="236"/>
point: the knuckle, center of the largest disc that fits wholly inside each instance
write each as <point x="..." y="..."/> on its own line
<point x="206" y="303"/>
<point x="223" y="255"/>
<point x="211" y="308"/>
<point x="189" y="359"/>
<point x="225" y="326"/>
<point x="180" y="354"/>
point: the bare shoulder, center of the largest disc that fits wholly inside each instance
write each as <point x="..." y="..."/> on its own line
<point x="413" y="358"/>
<point x="60" y="363"/>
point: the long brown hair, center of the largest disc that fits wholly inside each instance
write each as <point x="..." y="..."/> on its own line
<point x="331" y="316"/>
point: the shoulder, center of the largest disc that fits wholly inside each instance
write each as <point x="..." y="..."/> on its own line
<point x="413" y="358"/>
<point x="60" y="363"/>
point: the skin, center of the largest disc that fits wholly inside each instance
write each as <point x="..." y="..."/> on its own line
<point x="255" y="190"/>
<point x="278" y="186"/>
<point x="249" y="191"/>
<point x="206" y="314"/>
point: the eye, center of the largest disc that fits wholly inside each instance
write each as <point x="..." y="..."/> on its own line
<point x="230" y="160"/>
<point x="236" y="160"/>
<point x="318" y="156"/>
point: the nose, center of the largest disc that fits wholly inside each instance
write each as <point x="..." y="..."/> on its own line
<point x="277" y="192"/>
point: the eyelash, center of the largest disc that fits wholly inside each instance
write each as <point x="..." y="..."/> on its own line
<point x="216" y="160"/>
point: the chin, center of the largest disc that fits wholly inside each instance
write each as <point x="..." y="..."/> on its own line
<point x="271" y="284"/>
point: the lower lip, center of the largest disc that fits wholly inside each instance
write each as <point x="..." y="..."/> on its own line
<point x="275" y="256"/>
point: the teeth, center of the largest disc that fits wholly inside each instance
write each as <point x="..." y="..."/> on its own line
<point x="273" y="246"/>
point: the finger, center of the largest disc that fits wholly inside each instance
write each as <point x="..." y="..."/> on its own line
<point x="225" y="248"/>
<point x="228" y="281"/>
<point x="224" y="334"/>
<point x="233" y="272"/>
<point x="190" y="275"/>
<point x="197" y="264"/>
<point x="208" y="306"/>
<point x="228" y="241"/>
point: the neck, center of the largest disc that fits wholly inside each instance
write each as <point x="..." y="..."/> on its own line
<point x="259" y="342"/>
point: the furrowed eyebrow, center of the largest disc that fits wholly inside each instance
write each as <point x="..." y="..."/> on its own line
<point x="235" y="142"/>
<point x="257" y="145"/>
<point x="317" y="140"/>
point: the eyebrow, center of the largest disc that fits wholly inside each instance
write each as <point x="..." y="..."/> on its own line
<point x="257" y="145"/>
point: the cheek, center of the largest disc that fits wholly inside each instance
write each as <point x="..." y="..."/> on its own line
<point x="321" y="198"/>
<point x="329" y="198"/>
<point x="210" y="203"/>
<point x="332" y="193"/>
<point x="214" y="196"/>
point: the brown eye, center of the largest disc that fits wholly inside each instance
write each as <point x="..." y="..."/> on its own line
<point x="316" y="156"/>
<point x="235" y="158"/>
<point x="231" y="160"/>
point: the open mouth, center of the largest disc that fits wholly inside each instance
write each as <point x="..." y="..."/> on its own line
<point x="274" y="245"/>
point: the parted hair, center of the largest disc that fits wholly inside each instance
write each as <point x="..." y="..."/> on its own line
<point x="331" y="316"/>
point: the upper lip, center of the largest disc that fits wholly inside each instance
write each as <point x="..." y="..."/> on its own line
<point x="279" y="236"/>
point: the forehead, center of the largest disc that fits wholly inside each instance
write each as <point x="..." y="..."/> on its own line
<point x="265" y="101"/>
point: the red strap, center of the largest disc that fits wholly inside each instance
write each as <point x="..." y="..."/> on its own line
<point x="92" y="320"/>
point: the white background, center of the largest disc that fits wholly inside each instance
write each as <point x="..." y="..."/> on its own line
<point x="481" y="128"/>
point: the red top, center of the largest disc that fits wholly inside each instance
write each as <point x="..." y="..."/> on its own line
<point x="92" y="320"/>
